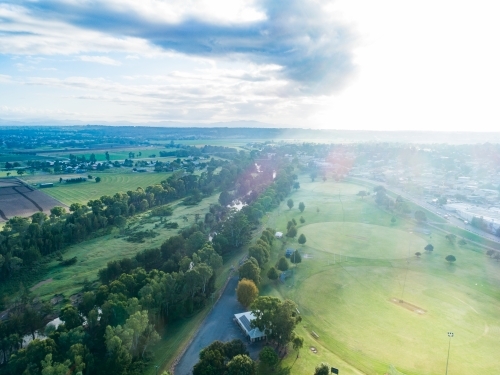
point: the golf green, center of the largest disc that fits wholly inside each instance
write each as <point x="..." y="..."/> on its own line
<point x="362" y="240"/>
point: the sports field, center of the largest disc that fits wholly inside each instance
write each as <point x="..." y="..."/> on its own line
<point x="111" y="182"/>
<point x="356" y="270"/>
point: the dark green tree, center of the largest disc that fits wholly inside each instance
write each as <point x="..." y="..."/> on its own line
<point x="451" y="259"/>
<point x="250" y="270"/>
<point x="302" y="206"/>
<point x="289" y="203"/>
<point x="268" y="357"/>
<point x="282" y="264"/>
<point x="322" y="369"/>
<point x="302" y="239"/>
<point x="241" y="365"/>
<point x="272" y="274"/>
<point x="296" y="258"/>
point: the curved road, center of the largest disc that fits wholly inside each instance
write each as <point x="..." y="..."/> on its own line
<point x="218" y="325"/>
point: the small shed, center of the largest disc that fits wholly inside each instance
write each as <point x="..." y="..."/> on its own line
<point x="46" y="185"/>
<point x="278" y="235"/>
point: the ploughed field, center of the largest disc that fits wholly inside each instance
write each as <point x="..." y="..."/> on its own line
<point x="374" y="304"/>
<point x="19" y="199"/>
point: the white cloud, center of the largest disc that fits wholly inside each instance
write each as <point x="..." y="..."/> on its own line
<point x="100" y="60"/>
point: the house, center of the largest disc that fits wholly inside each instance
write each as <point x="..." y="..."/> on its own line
<point x="278" y="235"/>
<point x="243" y="320"/>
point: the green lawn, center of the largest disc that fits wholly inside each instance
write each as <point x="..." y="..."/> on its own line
<point x="111" y="182"/>
<point x="349" y="303"/>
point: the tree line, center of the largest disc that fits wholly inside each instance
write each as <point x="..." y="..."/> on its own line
<point x="116" y="323"/>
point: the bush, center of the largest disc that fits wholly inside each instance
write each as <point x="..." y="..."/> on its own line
<point x="68" y="262"/>
<point x="162" y="211"/>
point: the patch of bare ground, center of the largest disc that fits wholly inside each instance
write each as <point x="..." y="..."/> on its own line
<point x="408" y="306"/>
<point x="38" y="285"/>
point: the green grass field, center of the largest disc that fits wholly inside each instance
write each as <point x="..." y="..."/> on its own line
<point x="114" y="154"/>
<point x="354" y="307"/>
<point x="96" y="253"/>
<point x="111" y="182"/>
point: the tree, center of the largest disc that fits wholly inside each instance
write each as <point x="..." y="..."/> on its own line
<point x="107" y="155"/>
<point x="268" y="357"/>
<point x="241" y="365"/>
<point x="302" y="206"/>
<point x="362" y="194"/>
<point x="451" y="237"/>
<point x="276" y="318"/>
<point x="313" y="175"/>
<point x="272" y="274"/>
<point x="98" y="179"/>
<point x="297" y="343"/>
<point x="417" y="254"/>
<point x="70" y="316"/>
<point x="250" y="270"/>
<point x="322" y="369"/>
<point x="289" y="203"/>
<point x="292" y="232"/>
<point x="393" y="220"/>
<point x="20" y="172"/>
<point x="490" y="252"/>
<point x="302" y="220"/>
<point x="282" y="264"/>
<point x="420" y="216"/>
<point x="246" y="292"/>
<point x="296" y="258"/>
<point x="302" y="239"/>
<point x="429" y="248"/>
<point x="451" y="259"/>
<point x="296" y="185"/>
<point x="225" y="198"/>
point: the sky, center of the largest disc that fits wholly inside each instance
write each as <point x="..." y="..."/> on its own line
<point x="345" y="64"/>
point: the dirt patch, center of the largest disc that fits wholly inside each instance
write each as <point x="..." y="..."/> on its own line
<point x="408" y="306"/>
<point x="38" y="285"/>
<point x="20" y="199"/>
<point x="58" y="298"/>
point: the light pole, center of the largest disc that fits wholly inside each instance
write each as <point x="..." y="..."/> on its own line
<point x="450" y="335"/>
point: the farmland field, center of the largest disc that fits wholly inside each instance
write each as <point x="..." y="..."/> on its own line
<point x="111" y="182"/>
<point x="357" y="267"/>
<point x="18" y="199"/>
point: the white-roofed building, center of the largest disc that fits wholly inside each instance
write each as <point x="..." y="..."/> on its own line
<point x="243" y="320"/>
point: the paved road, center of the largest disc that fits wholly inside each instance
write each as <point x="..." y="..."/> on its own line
<point x="218" y="325"/>
<point x="440" y="212"/>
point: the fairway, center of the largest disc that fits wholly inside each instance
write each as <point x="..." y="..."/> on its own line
<point x="111" y="183"/>
<point x="361" y="240"/>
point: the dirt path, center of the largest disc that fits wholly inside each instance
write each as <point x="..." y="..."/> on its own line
<point x="38" y="285"/>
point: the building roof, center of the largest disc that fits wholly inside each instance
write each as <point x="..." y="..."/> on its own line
<point x="244" y="319"/>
